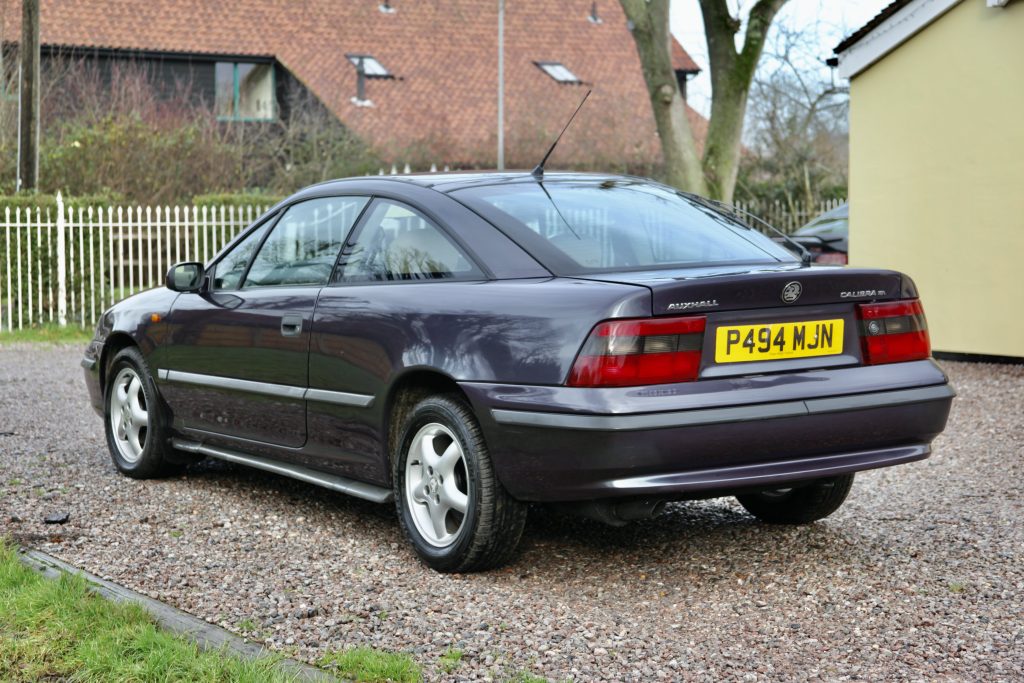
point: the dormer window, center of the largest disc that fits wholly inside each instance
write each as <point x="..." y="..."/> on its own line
<point x="368" y="66"/>
<point x="558" y="71"/>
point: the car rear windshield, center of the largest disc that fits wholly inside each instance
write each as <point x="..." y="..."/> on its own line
<point x="578" y="227"/>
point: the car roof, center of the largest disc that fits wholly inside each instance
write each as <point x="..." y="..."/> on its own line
<point x="449" y="182"/>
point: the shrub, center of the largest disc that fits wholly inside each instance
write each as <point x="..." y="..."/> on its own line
<point x="249" y="198"/>
<point x="48" y="202"/>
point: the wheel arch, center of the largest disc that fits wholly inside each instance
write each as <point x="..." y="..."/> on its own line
<point x="113" y="345"/>
<point x="405" y="392"/>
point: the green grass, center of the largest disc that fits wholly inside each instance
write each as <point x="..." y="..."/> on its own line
<point x="449" y="661"/>
<point x="248" y="624"/>
<point x="526" y="677"/>
<point x="367" y="665"/>
<point x="54" y="334"/>
<point x="59" y="630"/>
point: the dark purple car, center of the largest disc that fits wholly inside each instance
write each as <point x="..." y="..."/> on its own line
<point x="467" y="344"/>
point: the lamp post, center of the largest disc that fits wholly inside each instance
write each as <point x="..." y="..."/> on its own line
<point x="501" y="85"/>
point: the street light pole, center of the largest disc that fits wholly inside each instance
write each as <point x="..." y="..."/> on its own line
<point x="501" y="85"/>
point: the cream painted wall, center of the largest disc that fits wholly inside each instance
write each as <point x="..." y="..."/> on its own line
<point x="937" y="174"/>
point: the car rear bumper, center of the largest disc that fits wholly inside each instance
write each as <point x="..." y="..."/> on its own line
<point x="709" y="437"/>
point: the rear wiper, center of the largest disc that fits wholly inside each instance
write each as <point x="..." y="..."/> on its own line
<point x="805" y="255"/>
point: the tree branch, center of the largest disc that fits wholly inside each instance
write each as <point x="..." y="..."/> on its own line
<point x="758" y="23"/>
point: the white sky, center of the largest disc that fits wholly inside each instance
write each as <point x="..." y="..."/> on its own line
<point x="829" y="20"/>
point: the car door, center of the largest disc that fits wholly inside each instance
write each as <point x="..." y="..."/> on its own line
<point x="238" y="352"/>
<point x="395" y="261"/>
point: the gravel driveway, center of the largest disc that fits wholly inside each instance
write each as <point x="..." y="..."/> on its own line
<point x="919" y="576"/>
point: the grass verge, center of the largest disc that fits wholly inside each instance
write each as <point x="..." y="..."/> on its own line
<point x="53" y="334"/>
<point x="367" y="665"/>
<point x="60" y="630"/>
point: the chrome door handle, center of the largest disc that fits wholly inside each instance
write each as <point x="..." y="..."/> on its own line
<point x="291" y="325"/>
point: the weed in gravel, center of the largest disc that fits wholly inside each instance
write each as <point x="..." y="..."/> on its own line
<point x="449" y="661"/>
<point x="368" y="665"/>
<point x="247" y="625"/>
<point x="526" y="677"/>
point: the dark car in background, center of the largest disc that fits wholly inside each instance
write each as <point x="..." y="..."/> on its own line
<point x="465" y="345"/>
<point x="827" y="237"/>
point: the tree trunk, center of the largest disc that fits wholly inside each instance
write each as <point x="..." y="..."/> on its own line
<point x="650" y="27"/>
<point x="732" y="73"/>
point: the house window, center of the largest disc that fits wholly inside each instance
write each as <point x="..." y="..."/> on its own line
<point x="558" y="71"/>
<point x="244" y="91"/>
<point x="369" y="66"/>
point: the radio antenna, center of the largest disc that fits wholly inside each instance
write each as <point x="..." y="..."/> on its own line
<point x="538" y="171"/>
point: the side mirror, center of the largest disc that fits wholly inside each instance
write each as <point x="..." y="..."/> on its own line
<point x="185" y="277"/>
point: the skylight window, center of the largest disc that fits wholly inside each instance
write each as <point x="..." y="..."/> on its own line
<point x="558" y="71"/>
<point x="369" y="65"/>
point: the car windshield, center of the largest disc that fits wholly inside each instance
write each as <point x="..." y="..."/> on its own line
<point x="831" y="223"/>
<point x="586" y="226"/>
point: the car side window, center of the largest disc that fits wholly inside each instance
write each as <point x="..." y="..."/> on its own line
<point x="397" y="242"/>
<point x="230" y="269"/>
<point x="304" y="245"/>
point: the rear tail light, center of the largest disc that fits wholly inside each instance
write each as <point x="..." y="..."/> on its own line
<point x="622" y="353"/>
<point x="893" y="332"/>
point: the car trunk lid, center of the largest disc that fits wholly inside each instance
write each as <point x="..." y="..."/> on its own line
<point x="710" y="289"/>
<point x="746" y="306"/>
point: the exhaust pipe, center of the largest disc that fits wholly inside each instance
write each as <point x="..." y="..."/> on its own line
<point x="615" y="513"/>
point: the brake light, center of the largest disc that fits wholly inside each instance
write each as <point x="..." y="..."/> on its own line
<point x="893" y="332"/>
<point x="623" y="353"/>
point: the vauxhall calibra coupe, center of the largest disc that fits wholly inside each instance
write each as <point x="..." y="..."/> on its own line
<point x="468" y="344"/>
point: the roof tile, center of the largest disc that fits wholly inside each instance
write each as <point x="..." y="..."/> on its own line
<point x="442" y="103"/>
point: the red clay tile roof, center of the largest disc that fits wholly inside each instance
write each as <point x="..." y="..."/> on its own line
<point x="442" y="103"/>
<point x="681" y="59"/>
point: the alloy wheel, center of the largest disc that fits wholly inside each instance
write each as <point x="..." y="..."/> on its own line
<point x="129" y="415"/>
<point x="437" y="484"/>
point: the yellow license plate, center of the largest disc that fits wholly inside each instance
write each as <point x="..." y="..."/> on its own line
<point x="775" y="341"/>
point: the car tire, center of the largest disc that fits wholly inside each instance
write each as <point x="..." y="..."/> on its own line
<point x="135" y="419"/>
<point x="799" y="505"/>
<point x="450" y="503"/>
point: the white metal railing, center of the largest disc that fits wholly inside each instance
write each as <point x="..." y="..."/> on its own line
<point x="69" y="265"/>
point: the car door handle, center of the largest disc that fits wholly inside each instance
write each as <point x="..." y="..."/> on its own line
<point x="291" y="325"/>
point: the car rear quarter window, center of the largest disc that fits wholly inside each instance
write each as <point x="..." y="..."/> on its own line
<point x="396" y="242"/>
<point x="593" y="226"/>
<point x="304" y="245"/>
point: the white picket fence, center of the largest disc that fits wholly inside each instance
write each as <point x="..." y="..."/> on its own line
<point x="788" y="216"/>
<point x="69" y="267"/>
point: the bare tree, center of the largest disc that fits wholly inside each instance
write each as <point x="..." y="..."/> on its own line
<point x="732" y="72"/>
<point x="796" y="126"/>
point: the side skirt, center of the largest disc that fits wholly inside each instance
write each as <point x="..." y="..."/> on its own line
<point x="359" y="489"/>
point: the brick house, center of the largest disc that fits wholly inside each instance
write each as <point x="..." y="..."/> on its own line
<point x="414" y="79"/>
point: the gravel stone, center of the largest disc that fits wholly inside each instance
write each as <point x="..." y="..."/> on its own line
<point x="920" y="576"/>
<point x="57" y="518"/>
